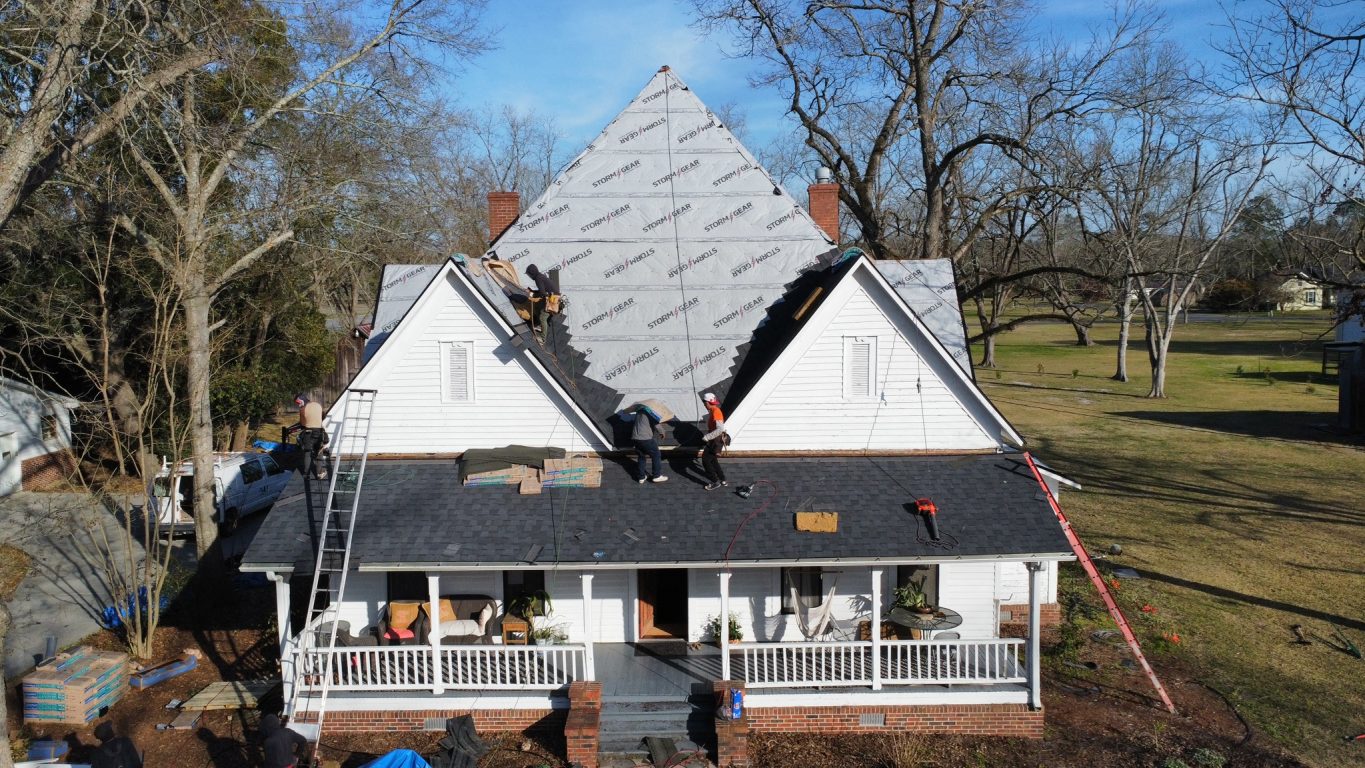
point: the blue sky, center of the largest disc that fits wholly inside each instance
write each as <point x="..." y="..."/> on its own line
<point x="581" y="61"/>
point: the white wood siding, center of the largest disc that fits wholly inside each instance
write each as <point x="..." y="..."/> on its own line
<point x="365" y="596"/>
<point x="511" y="401"/>
<point x="808" y="409"/>
<point x="969" y="589"/>
<point x="1012" y="583"/>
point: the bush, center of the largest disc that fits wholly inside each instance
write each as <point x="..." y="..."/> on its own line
<point x="1207" y="758"/>
<point x="1230" y="294"/>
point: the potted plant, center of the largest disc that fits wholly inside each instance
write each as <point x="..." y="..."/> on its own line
<point x="531" y="606"/>
<point x="550" y="634"/>
<point x="911" y="597"/>
<point x="712" y="628"/>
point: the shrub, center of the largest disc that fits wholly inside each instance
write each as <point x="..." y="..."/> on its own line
<point x="1229" y="294"/>
<point x="1207" y="758"/>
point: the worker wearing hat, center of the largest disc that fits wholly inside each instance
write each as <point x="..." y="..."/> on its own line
<point x="716" y="439"/>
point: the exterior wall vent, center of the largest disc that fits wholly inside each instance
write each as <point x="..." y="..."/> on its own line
<point x="877" y="720"/>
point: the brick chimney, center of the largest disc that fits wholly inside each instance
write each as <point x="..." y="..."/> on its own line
<point x="503" y="209"/>
<point x="823" y="203"/>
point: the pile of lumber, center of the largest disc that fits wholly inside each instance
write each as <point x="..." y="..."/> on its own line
<point x="530" y="469"/>
<point x="75" y="686"/>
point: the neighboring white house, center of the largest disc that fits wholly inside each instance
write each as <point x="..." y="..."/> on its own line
<point x="35" y="436"/>
<point x="840" y="399"/>
<point x="1302" y="293"/>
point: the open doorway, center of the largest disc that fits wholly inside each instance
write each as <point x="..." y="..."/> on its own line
<point x="663" y="603"/>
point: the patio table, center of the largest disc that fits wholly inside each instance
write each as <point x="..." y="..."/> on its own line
<point x="927" y="623"/>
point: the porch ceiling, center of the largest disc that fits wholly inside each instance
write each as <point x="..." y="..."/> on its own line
<point x="415" y="514"/>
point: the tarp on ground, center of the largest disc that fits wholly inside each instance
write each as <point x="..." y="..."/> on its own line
<point x="399" y="758"/>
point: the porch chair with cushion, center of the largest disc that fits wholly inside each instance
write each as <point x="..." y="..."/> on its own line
<point x="402" y="623"/>
<point x="465" y="620"/>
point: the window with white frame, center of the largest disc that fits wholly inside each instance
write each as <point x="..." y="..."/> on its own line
<point x="860" y="367"/>
<point x="457" y="371"/>
<point x="1310" y="297"/>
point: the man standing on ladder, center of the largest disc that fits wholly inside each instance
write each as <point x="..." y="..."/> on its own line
<point x="312" y="437"/>
<point x="716" y="438"/>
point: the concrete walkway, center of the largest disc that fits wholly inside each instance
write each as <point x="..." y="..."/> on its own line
<point x="68" y="586"/>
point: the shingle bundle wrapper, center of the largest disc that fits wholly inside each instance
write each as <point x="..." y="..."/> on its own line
<point x="461" y="747"/>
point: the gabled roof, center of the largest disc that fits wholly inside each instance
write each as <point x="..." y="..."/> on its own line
<point x="804" y="313"/>
<point x="669" y="240"/>
<point x="399" y="287"/>
<point x="417" y="515"/>
<point x="929" y="287"/>
<point x="550" y="380"/>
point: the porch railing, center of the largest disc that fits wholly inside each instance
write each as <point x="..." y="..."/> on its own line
<point x="901" y="662"/>
<point x="410" y="668"/>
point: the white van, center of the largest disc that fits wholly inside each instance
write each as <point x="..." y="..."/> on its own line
<point x="243" y="484"/>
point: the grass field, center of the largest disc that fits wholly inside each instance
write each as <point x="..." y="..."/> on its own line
<point x="1234" y="498"/>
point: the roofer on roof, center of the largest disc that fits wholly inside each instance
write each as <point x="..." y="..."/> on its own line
<point x="544" y="299"/>
<point x="312" y="437"/>
<point x="647" y="445"/>
<point x="716" y="439"/>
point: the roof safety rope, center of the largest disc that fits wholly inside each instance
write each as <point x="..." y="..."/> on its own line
<point x="677" y="245"/>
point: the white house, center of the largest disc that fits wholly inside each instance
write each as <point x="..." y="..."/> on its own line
<point x="35" y="436"/>
<point x="840" y="399"/>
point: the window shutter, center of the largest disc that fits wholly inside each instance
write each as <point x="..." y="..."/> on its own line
<point x="457" y="372"/>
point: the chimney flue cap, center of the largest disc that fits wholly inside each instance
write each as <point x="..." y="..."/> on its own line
<point x="823" y="175"/>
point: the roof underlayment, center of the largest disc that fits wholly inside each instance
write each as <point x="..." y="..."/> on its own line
<point x="670" y="241"/>
<point x="672" y="246"/>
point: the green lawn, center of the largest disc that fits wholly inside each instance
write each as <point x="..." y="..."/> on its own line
<point x="1233" y="496"/>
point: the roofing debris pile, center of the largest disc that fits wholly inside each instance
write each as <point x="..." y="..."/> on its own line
<point x="531" y="469"/>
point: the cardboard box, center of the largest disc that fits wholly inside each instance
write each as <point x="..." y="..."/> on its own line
<point x="817" y="522"/>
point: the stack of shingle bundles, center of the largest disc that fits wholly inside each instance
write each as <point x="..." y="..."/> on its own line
<point x="76" y="686"/>
<point x="572" y="472"/>
<point x="512" y="475"/>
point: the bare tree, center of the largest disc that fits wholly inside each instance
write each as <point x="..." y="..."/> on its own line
<point x="228" y="198"/>
<point x="1305" y="59"/>
<point x="1176" y="170"/>
<point x="898" y="98"/>
<point x="74" y="70"/>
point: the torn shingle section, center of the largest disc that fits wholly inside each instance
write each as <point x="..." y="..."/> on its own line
<point x="425" y="517"/>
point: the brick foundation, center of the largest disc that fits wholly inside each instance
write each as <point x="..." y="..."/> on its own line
<point x="732" y="736"/>
<point x="583" y="728"/>
<point x="1014" y="618"/>
<point x="50" y="470"/>
<point x="485" y="720"/>
<point x="975" y="719"/>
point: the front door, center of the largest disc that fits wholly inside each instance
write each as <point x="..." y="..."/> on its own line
<point x="663" y="603"/>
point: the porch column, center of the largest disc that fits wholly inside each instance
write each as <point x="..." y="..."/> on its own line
<point x="1035" y="591"/>
<point x="287" y="646"/>
<point x="434" y="622"/>
<point x="876" y="627"/>
<point x="589" y="662"/>
<point x="724" y="634"/>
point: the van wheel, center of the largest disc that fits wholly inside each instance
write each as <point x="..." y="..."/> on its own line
<point x="231" y="519"/>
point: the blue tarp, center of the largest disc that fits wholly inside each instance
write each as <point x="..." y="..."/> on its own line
<point x="401" y="758"/>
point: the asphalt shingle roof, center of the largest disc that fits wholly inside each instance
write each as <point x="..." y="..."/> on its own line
<point x="417" y="514"/>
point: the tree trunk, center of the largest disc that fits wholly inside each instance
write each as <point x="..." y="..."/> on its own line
<point x="199" y="353"/>
<point x="1082" y="334"/>
<point x="988" y="352"/>
<point x="1160" y="350"/>
<point x="1125" y="324"/>
<point x="240" y="431"/>
<point x="6" y="761"/>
